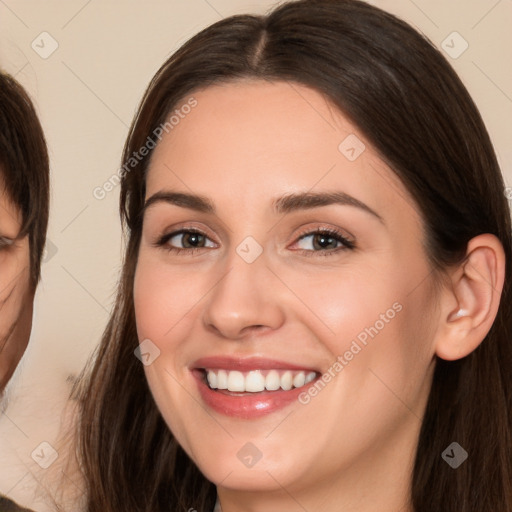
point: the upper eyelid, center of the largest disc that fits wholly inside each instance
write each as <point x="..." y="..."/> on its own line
<point x="320" y="229"/>
<point x="185" y="229"/>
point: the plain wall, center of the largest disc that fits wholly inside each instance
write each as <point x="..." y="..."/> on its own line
<point x="86" y="93"/>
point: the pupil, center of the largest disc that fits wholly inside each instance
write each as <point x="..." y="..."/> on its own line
<point x="324" y="241"/>
<point x="192" y="238"/>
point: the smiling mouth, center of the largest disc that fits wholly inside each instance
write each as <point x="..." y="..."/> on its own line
<point x="256" y="381"/>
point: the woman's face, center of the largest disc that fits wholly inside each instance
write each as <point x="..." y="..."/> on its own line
<point x="16" y="293"/>
<point x="265" y="293"/>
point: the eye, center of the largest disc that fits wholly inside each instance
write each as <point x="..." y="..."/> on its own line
<point x="325" y="241"/>
<point x="189" y="239"/>
<point x="5" y="242"/>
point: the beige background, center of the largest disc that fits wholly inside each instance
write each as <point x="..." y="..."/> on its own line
<point x="86" y="93"/>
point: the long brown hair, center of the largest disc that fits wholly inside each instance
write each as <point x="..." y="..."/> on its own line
<point x="406" y="99"/>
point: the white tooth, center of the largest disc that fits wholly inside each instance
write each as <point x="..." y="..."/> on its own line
<point x="222" y="379"/>
<point x="272" y="381"/>
<point x="299" y="380"/>
<point x="309" y="377"/>
<point x="212" y="379"/>
<point x="287" y="380"/>
<point x="236" y="381"/>
<point x="254" y="381"/>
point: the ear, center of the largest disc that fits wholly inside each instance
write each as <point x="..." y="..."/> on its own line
<point x="469" y="308"/>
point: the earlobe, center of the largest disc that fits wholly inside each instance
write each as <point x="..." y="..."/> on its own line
<point x="476" y="289"/>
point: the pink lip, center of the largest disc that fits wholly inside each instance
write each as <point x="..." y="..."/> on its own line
<point x="246" y="364"/>
<point x="245" y="405"/>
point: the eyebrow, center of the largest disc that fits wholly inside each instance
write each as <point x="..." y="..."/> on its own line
<point x="284" y="204"/>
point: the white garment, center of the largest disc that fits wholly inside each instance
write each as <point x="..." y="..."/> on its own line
<point x="217" y="506"/>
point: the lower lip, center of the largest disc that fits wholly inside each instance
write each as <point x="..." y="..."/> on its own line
<point x="248" y="405"/>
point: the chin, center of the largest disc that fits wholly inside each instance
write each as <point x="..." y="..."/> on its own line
<point x="240" y="465"/>
<point x="241" y="479"/>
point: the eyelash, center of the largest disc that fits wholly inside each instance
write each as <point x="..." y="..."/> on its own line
<point x="331" y="233"/>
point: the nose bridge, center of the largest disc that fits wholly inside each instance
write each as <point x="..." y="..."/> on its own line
<point x="243" y="296"/>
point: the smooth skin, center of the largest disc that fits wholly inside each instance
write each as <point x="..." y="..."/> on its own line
<point x="352" y="446"/>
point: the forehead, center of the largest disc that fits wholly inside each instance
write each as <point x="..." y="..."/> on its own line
<point x="249" y="141"/>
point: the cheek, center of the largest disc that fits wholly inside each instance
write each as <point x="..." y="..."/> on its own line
<point x="15" y="326"/>
<point x="164" y="299"/>
<point x="14" y="268"/>
<point x="15" y="294"/>
<point x="342" y="304"/>
<point x="161" y="298"/>
<point x="375" y="320"/>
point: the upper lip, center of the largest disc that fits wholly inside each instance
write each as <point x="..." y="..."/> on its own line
<point x="247" y="364"/>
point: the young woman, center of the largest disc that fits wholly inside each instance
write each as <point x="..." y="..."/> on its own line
<point x="314" y="311"/>
<point x="24" y="201"/>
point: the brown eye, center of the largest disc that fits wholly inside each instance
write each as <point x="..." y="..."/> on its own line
<point x="191" y="239"/>
<point x="185" y="240"/>
<point x="325" y="241"/>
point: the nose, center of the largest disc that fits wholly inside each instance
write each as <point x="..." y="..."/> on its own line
<point x="245" y="299"/>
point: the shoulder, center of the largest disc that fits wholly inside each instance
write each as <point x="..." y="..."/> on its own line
<point x="7" y="505"/>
